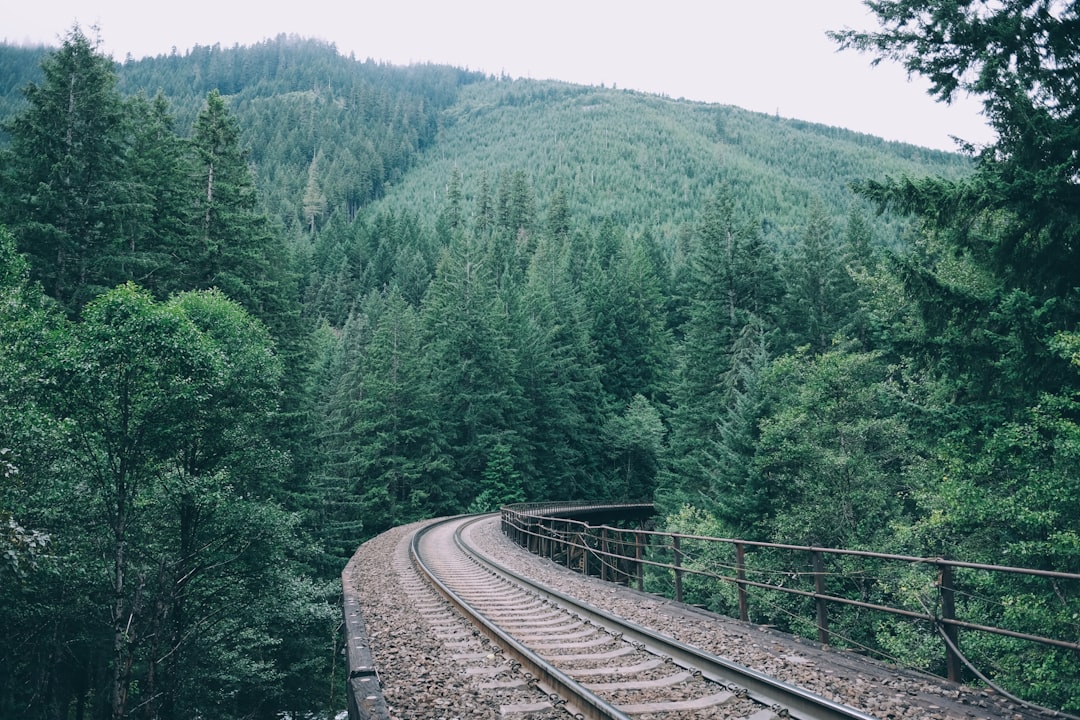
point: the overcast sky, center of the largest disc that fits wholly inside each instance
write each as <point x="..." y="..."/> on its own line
<point x="766" y="55"/>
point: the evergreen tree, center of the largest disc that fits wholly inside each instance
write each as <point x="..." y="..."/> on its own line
<point x="514" y="239"/>
<point x="731" y="283"/>
<point x="451" y="219"/>
<point x="467" y="333"/>
<point x="733" y="492"/>
<point x="860" y="260"/>
<point x="314" y="202"/>
<point x="394" y="432"/>
<point x="834" y="453"/>
<point x="158" y="232"/>
<point x="1015" y="222"/>
<point x="1017" y="57"/>
<point x="980" y="308"/>
<point x="559" y="376"/>
<point x="66" y="188"/>
<point x="629" y="326"/>
<point x="334" y="504"/>
<point x="231" y="232"/>
<point x="636" y="439"/>
<point x="817" y="286"/>
<point x="484" y="221"/>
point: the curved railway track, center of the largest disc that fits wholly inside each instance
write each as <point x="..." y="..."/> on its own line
<point x="596" y="664"/>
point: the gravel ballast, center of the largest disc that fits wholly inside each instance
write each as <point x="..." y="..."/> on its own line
<point x="432" y="664"/>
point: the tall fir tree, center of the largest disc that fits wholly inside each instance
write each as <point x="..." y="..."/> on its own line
<point x="560" y="379"/>
<point x="817" y="285"/>
<point x="66" y="187"/>
<point x="731" y="282"/>
<point x="395" y="429"/>
<point x="467" y="332"/>
<point x="229" y="244"/>
<point x="158" y="230"/>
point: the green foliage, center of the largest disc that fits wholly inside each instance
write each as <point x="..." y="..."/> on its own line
<point x="502" y="482"/>
<point x="65" y="191"/>
<point x="1014" y="57"/>
<point x="649" y="162"/>
<point x="833" y="454"/>
<point x="636" y="438"/>
<point x="731" y="288"/>
<point x="160" y="465"/>
<point x="473" y="364"/>
<point x="320" y="297"/>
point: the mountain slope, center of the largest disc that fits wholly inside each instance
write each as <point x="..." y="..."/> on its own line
<point x="362" y="130"/>
<point x="648" y="161"/>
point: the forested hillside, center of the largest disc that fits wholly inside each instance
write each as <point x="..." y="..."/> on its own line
<point x="651" y="162"/>
<point x="259" y="304"/>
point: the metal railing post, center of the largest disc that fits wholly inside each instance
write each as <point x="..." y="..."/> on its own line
<point x="819" y="591"/>
<point x="639" y="555"/>
<point x="740" y="581"/>
<point x="948" y="612"/>
<point x="678" y="566"/>
<point x="567" y="545"/>
<point x="603" y="554"/>
<point x="584" y="551"/>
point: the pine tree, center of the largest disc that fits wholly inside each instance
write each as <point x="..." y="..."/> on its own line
<point x="231" y="233"/>
<point x="560" y="380"/>
<point x="731" y="283"/>
<point x="817" y="283"/>
<point x="314" y="202"/>
<point x="67" y="190"/>
<point x="394" y="431"/>
<point x="467" y="333"/>
<point x="160" y="226"/>
<point x="732" y="490"/>
<point x="629" y="320"/>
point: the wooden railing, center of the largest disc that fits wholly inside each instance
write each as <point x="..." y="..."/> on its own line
<point x="622" y="551"/>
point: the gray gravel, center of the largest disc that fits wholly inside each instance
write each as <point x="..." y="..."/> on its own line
<point x="433" y="666"/>
<point x="872" y="687"/>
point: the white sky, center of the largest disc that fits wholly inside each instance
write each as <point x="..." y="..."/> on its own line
<point x="765" y="55"/>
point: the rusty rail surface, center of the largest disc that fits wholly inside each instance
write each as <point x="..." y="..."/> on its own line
<point x="621" y="554"/>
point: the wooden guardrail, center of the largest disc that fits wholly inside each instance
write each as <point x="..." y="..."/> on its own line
<point x="561" y="532"/>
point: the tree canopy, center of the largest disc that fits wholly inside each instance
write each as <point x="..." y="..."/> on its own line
<point x="293" y="299"/>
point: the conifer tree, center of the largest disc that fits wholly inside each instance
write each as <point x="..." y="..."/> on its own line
<point x="560" y="380"/>
<point x="314" y="202"/>
<point x="394" y="431"/>
<point x="467" y="333"/>
<point x="158" y="229"/>
<point x="731" y="283"/>
<point x="231" y="233"/>
<point x="629" y="322"/>
<point x="817" y="285"/>
<point x="66" y="189"/>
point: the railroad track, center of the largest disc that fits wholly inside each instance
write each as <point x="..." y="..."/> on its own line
<point x="593" y="663"/>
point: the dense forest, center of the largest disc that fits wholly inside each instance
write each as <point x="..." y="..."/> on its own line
<point x="258" y="304"/>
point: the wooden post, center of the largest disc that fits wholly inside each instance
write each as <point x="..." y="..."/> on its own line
<point x="678" y="564"/>
<point x="639" y="555"/>
<point x="604" y="559"/>
<point x="568" y="544"/>
<point x="585" y="552"/>
<point x="740" y="581"/>
<point x="948" y="612"/>
<point x="819" y="590"/>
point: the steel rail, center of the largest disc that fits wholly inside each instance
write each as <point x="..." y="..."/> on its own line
<point x="579" y="699"/>
<point x="798" y="702"/>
